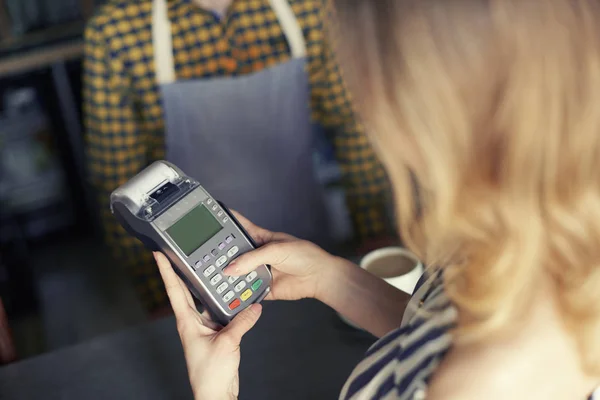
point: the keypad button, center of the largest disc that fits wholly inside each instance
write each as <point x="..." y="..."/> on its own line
<point x="240" y="286"/>
<point x="221" y="246"/>
<point x="197" y="265"/>
<point x="246" y="295"/>
<point x="208" y="271"/>
<point x="214" y="252"/>
<point x="233" y="279"/>
<point x="235" y="304"/>
<point x="257" y="285"/>
<point x="221" y="261"/>
<point x="228" y="296"/>
<point x="233" y="251"/>
<point x="220" y="214"/>
<point x="251" y="276"/>
<point x="216" y="279"/>
<point x="206" y="258"/>
<point x="222" y="287"/>
<point x="225" y="219"/>
<point x="214" y="208"/>
<point x="229" y="239"/>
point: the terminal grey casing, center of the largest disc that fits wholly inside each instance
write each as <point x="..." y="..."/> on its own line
<point x="148" y="220"/>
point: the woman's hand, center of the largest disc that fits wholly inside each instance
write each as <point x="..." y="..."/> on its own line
<point x="299" y="267"/>
<point x="212" y="352"/>
<point x="302" y="269"/>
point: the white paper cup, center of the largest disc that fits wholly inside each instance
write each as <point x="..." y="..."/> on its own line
<point x="405" y="278"/>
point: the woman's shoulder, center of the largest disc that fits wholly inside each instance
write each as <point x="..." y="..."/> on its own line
<point x="400" y="364"/>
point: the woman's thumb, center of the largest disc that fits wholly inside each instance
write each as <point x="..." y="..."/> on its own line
<point x="241" y="324"/>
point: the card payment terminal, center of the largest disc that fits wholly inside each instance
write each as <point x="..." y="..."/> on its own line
<point x="171" y="213"/>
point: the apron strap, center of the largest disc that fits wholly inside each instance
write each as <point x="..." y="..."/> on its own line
<point x="162" y="38"/>
<point x="290" y="26"/>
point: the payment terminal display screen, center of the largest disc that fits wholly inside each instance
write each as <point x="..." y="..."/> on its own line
<point x="194" y="229"/>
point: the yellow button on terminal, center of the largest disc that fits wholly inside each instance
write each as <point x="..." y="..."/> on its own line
<point x="246" y="295"/>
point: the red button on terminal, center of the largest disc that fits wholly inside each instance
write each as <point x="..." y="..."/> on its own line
<point x="234" y="304"/>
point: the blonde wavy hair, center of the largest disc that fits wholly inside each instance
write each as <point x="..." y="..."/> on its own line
<point x="493" y="108"/>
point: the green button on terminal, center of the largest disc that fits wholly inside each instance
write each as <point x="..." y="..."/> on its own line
<point x="257" y="284"/>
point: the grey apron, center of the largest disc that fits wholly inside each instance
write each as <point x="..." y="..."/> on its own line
<point x="248" y="140"/>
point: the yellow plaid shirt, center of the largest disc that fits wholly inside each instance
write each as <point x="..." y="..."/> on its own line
<point x="124" y="115"/>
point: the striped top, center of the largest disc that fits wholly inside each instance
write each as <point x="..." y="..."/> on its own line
<point x="401" y="364"/>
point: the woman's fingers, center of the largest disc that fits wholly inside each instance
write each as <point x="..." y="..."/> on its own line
<point x="272" y="254"/>
<point x="186" y="291"/>
<point x="241" y="324"/>
<point x="260" y="235"/>
<point x="176" y="289"/>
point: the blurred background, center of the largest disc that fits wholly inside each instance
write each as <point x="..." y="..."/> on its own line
<point x="58" y="285"/>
